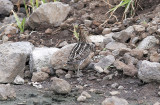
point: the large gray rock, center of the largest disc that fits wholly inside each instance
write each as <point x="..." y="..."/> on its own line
<point x="115" y="46"/>
<point x="104" y="63"/>
<point x="13" y="58"/>
<point x="40" y="57"/>
<point x="149" y="71"/>
<point x="60" y="86"/>
<point x="7" y="92"/>
<point x="5" y="7"/>
<point x="60" y="58"/>
<point x="52" y="13"/>
<point x="124" y="35"/>
<point x="148" y="42"/>
<point x="114" y="101"/>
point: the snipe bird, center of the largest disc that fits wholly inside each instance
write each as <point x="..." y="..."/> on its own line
<point x="82" y="49"/>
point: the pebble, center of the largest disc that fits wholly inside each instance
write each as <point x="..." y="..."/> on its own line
<point x="114" y="85"/>
<point x="114" y="93"/>
<point x="4" y="38"/>
<point x="120" y="87"/>
<point x="106" y="31"/>
<point x="81" y="98"/>
<point x="86" y="94"/>
<point x="87" y="22"/>
<point x="115" y="29"/>
<point x="68" y="76"/>
<point x="48" y="31"/>
<point x="159" y="93"/>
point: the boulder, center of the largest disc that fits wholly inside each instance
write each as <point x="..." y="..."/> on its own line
<point x="124" y="35"/>
<point x="149" y="71"/>
<point x="148" y="42"/>
<point x="13" y="57"/>
<point x="5" y="7"/>
<point x="60" y="86"/>
<point x="40" y="57"/>
<point x="52" y="13"/>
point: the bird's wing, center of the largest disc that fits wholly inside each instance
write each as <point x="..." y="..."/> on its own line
<point x="79" y="52"/>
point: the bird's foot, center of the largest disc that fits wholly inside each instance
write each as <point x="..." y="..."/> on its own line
<point x="79" y="74"/>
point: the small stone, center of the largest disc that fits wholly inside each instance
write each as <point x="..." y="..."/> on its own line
<point x="87" y="22"/>
<point x="39" y="76"/>
<point x="79" y="87"/>
<point x="115" y="29"/>
<point x="7" y="92"/>
<point x="114" y="93"/>
<point x="86" y="94"/>
<point x="19" y="80"/>
<point x="114" y="101"/>
<point x="108" y="77"/>
<point x="60" y="86"/>
<point x="10" y="30"/>
<point x="62" y="44"/>
<point x="120" y="87"/>
<point x="37" y="85"/>
<point x="139" y="28"/>
<point x="154" y="57"/>
<point x="158" y="93"/>
<point x="137" y="53"/>
<point x="68" y="76"/>
<point x="46" y="70"/>
<point x="60" y="72"/>
<point x="4" y="38"/>
<point x="48" y="31"/>
<point x="158" y="31"/>
<point x="98" y="69"/>
<point x="106" y="71"/>
<point x="157" y="103"/>
<point x="106" y="31"/>
<point x="114" y="85"/>
<point x="152" y="29"/>
<point x="81" y="98"/>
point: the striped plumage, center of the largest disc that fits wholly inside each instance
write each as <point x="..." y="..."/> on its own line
<point x="82" y="49"/>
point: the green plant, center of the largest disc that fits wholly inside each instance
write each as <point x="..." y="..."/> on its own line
<point x="20" y="24"/>
<point x="43" y="1"/>
<point x="56" y="0"/>
<point x="75" y="33"/>
<point x="26" y="9"/>
<point x="130" y="6"/>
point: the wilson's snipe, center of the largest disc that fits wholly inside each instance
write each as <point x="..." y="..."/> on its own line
<point x="82" y="49"/>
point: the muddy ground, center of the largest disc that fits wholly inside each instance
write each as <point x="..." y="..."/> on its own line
<point x="134" y="91"/>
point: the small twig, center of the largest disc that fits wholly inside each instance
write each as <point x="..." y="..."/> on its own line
<point x="56" y="31"/>
<point x="110" y="5"/>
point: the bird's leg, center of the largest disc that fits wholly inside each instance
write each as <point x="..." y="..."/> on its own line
<point x="78" y="71"/>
